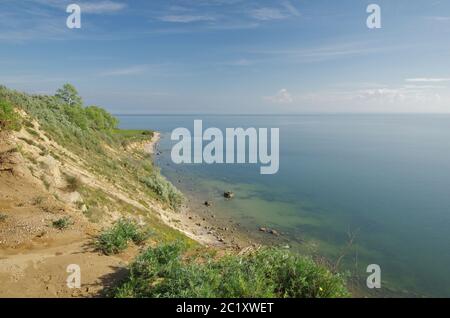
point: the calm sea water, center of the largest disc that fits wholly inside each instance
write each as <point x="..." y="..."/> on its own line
<point x="385" y="178"/>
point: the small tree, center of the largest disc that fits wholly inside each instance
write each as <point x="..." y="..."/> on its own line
<point x="69" y="94"/>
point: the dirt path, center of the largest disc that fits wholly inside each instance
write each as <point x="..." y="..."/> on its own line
<point x="43" y="273"/>
<point x="34" y="255"/>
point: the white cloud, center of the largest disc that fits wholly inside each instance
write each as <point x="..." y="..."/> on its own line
<point x="266" y="14"/>
<point x="282" y="97"/>
<point x="379" y="96"/>
<point x="186" y="18"/>
<point x="326" y="52"/>
<point x="427" y="80"/>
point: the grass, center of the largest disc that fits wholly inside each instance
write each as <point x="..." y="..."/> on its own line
<point x="9" y="119"/>
<point x="3" y="217"/>
<point x="73" y="183"/>
<point x="32" y="132"/>
<point x="165" y="271"/>
<point x="117" y="238"/>
<point x="134" y="133"/>
<point x="62" y="224"/>
<point x="28" y="141"/>
<point x="128" y="136"/>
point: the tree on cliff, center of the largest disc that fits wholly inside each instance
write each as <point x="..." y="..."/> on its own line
<point x="69" y="94"/>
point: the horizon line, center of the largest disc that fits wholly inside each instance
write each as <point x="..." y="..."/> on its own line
<point x="281" y="114"/>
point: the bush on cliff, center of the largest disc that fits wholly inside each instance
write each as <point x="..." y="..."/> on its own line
<point x="116" y="239"/>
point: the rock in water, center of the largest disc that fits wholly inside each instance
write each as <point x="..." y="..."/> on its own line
<point x="274" y="232"/>
<point x="228" y="195"/>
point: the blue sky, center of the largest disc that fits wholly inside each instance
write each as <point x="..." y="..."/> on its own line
<point x="232" y="56"/>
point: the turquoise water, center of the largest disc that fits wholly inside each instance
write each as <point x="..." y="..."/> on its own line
<point x="385" y="178"/>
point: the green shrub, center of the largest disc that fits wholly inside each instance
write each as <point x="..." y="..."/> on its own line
<point x="117" y="238"/>
<point x="9" y="119"/>
<point x="266" y="273"/>
<point x="164" y="189"/>
<point x="62" y="224"/>
<point x="100" y="119"/>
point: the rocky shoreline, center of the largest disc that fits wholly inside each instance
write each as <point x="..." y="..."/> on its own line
<point x="198" y="220"/>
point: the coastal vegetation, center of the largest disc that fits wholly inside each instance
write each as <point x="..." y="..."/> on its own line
<point x="9" y="119"/>
<point x="170" y="264"/>
<point x="165" y="271"/>
<point x="117" y="238"/>
<point x="88" y="132"/>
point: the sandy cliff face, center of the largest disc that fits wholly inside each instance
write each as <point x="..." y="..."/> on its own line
<point x="42" y="182"/>
<point x="34" y="193"/>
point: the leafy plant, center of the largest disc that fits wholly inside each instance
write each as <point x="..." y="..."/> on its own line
<point x="9" y="119"/>
<point x="117" y="238"/>
<point x="164" y="189"/>
<point x="265" y="273"/>
<point x="62" y="224"/>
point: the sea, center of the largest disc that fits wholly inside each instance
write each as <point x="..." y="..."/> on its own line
<point x="354" y="189"/>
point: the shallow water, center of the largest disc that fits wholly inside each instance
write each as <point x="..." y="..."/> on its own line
<point x="384" y="177"/>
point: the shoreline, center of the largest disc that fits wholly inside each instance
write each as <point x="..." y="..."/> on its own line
<point x="202" y="227"/>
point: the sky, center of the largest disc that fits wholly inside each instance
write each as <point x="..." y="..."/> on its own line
<point x="232" y="56"/>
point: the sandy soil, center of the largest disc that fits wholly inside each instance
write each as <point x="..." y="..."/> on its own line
<point x="34" y="255"/>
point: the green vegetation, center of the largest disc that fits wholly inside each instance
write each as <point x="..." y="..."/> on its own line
<point x="129" y="136"/>
<point x="266" y="273"/>
<point x="32" y="131"/>
<point x="62" y="224"/>
<point x="158" y="184"/>
<point x="9" y="119"/>
<point x="68" y="94"/>
<point x="117" y="238"/>
<point x="90" y="132"/>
